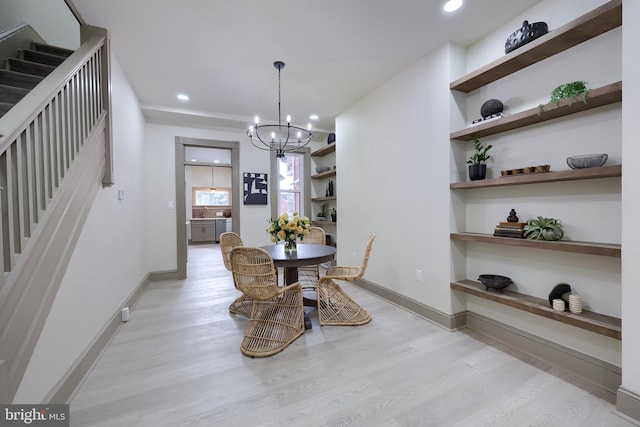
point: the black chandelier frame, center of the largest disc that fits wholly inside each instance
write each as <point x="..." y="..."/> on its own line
<point x="280" y="138"/>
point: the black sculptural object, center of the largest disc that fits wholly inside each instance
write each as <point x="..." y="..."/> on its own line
<point x="524" y="35"/>
<point x="491" y="107"/>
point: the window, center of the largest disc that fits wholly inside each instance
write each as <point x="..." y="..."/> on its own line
<point x="203" y="196"/>
<point x="291" y="184"/>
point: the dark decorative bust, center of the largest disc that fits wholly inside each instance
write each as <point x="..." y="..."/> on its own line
<point x="524" y="35"/>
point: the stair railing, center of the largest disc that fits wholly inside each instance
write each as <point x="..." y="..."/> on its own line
<point x="53" y="122"/>
<point x="55" y="146"/>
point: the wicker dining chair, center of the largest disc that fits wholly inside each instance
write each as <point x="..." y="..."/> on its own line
<point x="277" y="318"/>
<point x="308" y="275"/>
<point x="335" y="307"/>
<point x="243" y="304"/>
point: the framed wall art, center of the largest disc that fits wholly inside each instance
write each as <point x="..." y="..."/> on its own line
<point x="255" y="186"/>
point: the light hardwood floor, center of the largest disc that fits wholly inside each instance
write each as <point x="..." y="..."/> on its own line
<point x="177" y="362"/>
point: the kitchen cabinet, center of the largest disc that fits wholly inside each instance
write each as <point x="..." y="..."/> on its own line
<point x="203" y="230"/>
<point x="211" y="176"/>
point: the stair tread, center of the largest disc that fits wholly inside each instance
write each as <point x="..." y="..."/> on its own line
<point x="29" y="67"/>
<point x="55" y="50"/>
<point x="18" y="79"/>
<point x="14" y="89"/>
<point x="41" y="57"/>
<point x="12" y="94"/>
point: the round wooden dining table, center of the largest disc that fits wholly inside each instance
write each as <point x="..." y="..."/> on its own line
<point x="306" y="254"/>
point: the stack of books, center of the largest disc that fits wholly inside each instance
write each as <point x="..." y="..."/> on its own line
<point x="510" y="229"/>
<point x="489" y="118"/>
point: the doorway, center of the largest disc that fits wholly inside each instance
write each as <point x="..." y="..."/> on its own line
<point x="181" y="191"/>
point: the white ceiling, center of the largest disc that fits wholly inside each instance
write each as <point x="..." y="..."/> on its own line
<point x="210" y="156"/>
<point x="220" y="52"/>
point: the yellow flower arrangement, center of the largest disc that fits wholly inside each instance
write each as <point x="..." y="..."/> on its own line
<point x="289" y="229"/>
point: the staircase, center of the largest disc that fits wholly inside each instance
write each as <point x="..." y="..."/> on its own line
<point x="55" y="152"/>
<point x="23" y="73"/>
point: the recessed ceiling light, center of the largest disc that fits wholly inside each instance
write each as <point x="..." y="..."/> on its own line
<point x="194" y="160"/>
<point x="452" y="5"/>
<point x="313" y="117"/>
<point x="183" y="97"/>
<point x="216" y="161"/>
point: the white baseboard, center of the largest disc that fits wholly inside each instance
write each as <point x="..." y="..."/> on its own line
<point x="628" y="405"/>
<point x="70" y="382"/>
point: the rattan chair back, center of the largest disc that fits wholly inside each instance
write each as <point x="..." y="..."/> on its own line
<point x="308" y="275"/>
<point x="365" y="258"/>
<point x="316" y="236"/>
<point x="254" y="273"/>
<point x="335" y="306"/>
<point x="228" y="241"/>
<point x="243" y="304"/>
<point x="353" y="272"/>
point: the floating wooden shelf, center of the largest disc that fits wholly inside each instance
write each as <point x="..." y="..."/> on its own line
<point x="323" y="175"/>
<point x="533" y="178"/>
<point x="316" y="222"/>
<point x="594" y="322"/>
<point x="590" y="248"/>
<point x="328" y="149"/>
<point x="323" y="199"/>
<point x="598" y="21"/>
<point x="605" y="95"/>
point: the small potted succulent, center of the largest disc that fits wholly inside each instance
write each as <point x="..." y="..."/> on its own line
<point x="543" y="229"/>
<point x="477" y="161"/>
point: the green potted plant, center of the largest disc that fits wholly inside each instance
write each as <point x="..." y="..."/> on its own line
<point x="477" y="161"/>
<point x="543" y="229"/>
<point x="570" y="91"/>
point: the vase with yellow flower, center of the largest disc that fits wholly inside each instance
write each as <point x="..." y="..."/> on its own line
<point x="289" y="229"/>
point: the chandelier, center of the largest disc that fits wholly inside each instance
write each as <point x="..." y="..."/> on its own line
<point x="280" y="138"/>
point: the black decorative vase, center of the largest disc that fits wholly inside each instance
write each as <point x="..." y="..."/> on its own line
<point x="477" y="172"/>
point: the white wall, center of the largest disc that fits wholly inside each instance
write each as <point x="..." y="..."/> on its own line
<point x="393" y="178"/>
<point x="109" y="261"/>
<point x="161" y="189"/>
<point x="589" y="210"/>
<point x="630" y="199"/>
<point x="51" y="19"/>
<point x="393" y="144"/>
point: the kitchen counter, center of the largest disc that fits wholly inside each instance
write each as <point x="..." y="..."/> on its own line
<point x="209" y="219"/>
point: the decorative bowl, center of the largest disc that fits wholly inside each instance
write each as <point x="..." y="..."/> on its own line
<point x="587" y="161"/>
<point x="320" y="169"/>
<point x="494" y="281"/>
